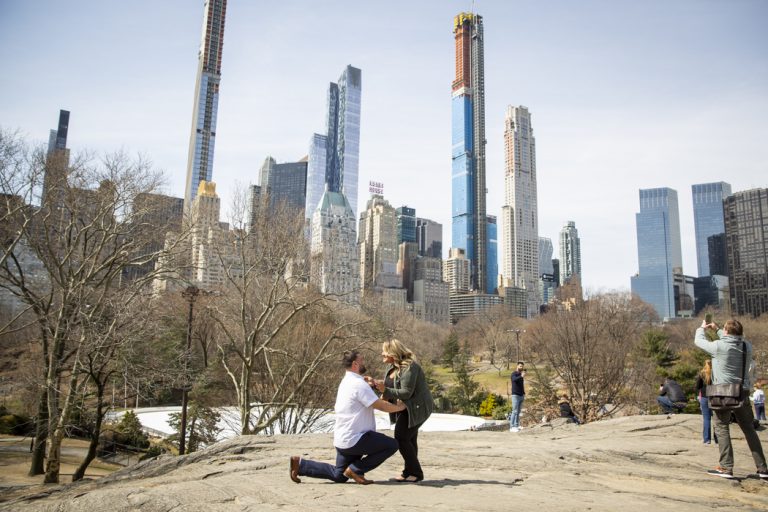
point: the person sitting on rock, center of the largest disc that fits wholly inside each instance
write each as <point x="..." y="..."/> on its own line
<point x="671" y="397"/>
<point x="566" y="411"/>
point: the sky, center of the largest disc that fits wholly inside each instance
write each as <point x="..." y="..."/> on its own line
<point x="624" y="95"/>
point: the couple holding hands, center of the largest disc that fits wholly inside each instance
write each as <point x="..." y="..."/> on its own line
<point x="404" y="394"/>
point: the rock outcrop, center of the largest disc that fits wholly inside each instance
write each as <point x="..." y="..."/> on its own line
<point x="631" y="463"/>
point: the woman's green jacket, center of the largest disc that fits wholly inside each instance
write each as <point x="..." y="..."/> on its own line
<point x="410" y="386"/>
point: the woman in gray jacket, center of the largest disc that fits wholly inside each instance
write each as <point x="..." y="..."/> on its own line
<point x="405" y="380"/>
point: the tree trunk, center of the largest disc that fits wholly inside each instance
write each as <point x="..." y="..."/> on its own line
<point x="244" y="397"/>
<point x="56" y="434"/>
<point x="37" y="467"/>
<point x="53" y="464"/>
<point x="94" y="443"/>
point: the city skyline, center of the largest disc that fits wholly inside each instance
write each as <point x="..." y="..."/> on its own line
<point x="624" y="98"/>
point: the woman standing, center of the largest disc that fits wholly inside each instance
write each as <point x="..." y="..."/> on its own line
<point x="405" y="380"/>
<point x="703" y="379"/>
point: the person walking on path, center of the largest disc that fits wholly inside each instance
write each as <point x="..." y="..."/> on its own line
<point x="671" y="397"/>
<point x="359" y="448"/>
<point x="518" y="395"/>
<point x="758" y="400"/>
<point x="404" y="380"/>
<point x="728" y="354"/>
<point x="704" y="379"/>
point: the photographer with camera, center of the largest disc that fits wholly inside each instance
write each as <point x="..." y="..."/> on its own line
<point x="518" y="395"/>
<point x="732" y="363"/>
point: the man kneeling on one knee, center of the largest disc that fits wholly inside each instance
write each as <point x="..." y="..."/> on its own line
<point x="359" y="448"/>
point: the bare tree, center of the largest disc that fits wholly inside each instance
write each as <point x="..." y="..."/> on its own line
<point x="586" y="350"/>
<point x="489" y="331"/>
<point x="81" y="238"/>
<point x="265" y="297"/>
<point x="112" y="344"/>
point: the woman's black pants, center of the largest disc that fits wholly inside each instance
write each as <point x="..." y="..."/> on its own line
<point x="408" y="445"/>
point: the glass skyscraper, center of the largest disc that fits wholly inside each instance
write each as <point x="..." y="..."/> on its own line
<point x="659" y="252"/>
<point x="708" y="218"/>
<point x="343" y="154"/>
<point x="315" y="174"/>
<point x="746" y="233"/>
<point x="284" y="183"/>
<point x="546" y="249"/>
<point x="57" y="140"/>
<point x="429" y="238"/>
<point x="492" y="232"/>
<point x="56" y="169"/>
<point x="570" y="252"/>
<point x="334" y="157"/>
<point x="468" y="147"/>
<point x="203" y="136"/>
<point x="406" y="224"/>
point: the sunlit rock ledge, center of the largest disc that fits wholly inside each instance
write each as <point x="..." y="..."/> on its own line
<point x="633" y="463"/>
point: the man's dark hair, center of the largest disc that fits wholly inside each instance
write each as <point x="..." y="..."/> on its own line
<point x="734" y="327"/>
<point x="521" y="363"/>
<point x="349" y="358"/>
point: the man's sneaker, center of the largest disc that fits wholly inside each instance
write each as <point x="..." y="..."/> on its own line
<point x="721" y="472"/>
<point x="763" y="475"/>
<point x="514" y="429"/>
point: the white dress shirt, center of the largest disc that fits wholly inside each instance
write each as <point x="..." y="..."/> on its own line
<point x="353" y="411"/>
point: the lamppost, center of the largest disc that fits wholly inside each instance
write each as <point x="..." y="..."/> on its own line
<point x="190" y="293"/>
<point x="517" y="338"/>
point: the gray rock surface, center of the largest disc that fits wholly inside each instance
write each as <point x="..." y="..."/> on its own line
<point x="631" y="463"/>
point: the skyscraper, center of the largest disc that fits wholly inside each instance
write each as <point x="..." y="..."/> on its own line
<point x="718" y="255"/>
<point x="570" y="252"/>
<point x="519" y="214"/>
<point x="284" y="184"/>
<point x="378" y="246"/>
<point x="335" y="267"/>
<point x="203" y="135"/>
<point x="343" y="155"/>
<point x="547" y="283"/>
<point x="746" y="233"/>
<point x="334" y="157"/>
<point x="431" y="297"/>
<point x="659" y="252"/>
<point x="457" y="271"/>
<point x="545" y="255"/>
<point x="406" y="224"/>
<point x="492" y="232"/>
<point x="57" y="162"/>
<point x="707" y="218"/>
<point x="318" y="146"/>
<point x="468" y="146"/>
<point x="57" y="141"/>
<point x="429" y="238"/>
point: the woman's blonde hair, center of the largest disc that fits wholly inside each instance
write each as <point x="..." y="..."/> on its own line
<point x="706" y="372"/>
<point x="397" y="351"/>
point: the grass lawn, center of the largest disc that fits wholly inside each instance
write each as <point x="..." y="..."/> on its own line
<point x="483" y="373"/>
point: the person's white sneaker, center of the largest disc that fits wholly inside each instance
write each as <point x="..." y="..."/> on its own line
<point x="514" y="429"/>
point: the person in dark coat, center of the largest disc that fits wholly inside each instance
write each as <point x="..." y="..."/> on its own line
<point x="671" y="397"/>
<point x="566" y="411"/>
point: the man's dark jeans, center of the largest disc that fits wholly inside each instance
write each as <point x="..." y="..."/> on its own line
<point x="370" y="451"/>
<point x="668" y="406"/>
